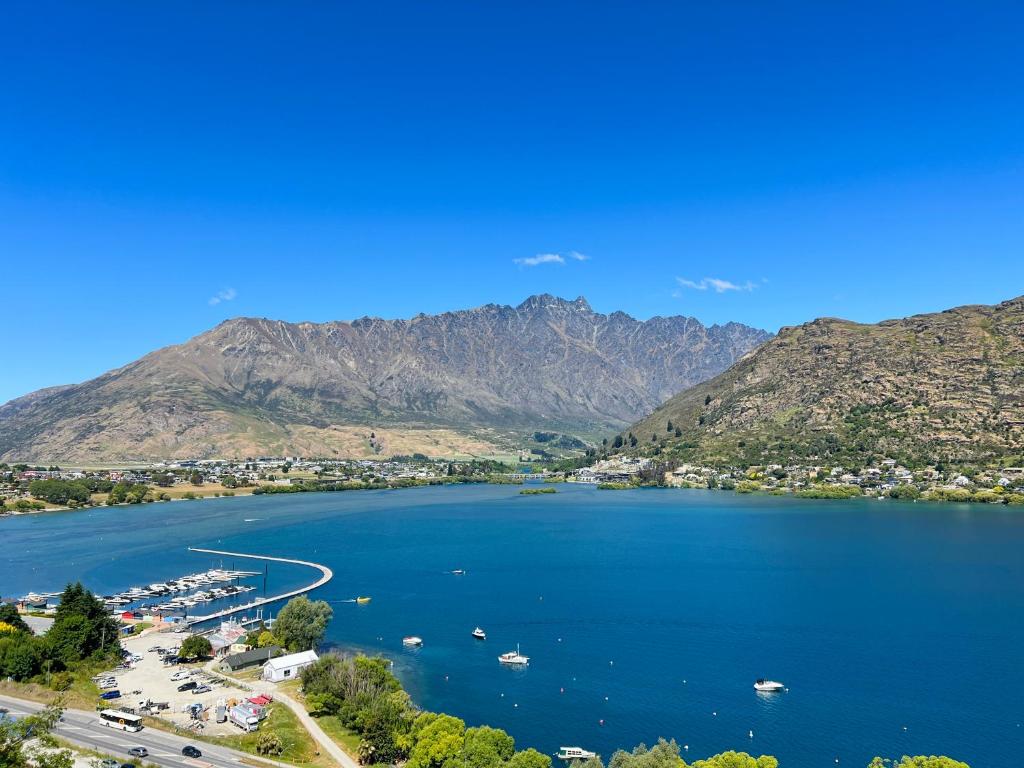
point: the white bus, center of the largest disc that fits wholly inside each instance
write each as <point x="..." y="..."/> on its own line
<point x="115" y="718"/>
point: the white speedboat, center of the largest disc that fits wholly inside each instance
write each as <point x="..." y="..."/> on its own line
<point x="575" y="753"/>
<point x="412" y="641"/>
<point x="514" y="658"/>
<point x="768" y="686"/>
<point x="479" y="634"/>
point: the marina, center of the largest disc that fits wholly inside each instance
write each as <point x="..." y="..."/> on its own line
<point x="196" y="589"/>
<point x="326" y="574"/>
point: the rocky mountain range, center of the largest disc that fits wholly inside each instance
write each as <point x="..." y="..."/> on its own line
<point x="933" y="387"/>
<point x="458" y="382"/>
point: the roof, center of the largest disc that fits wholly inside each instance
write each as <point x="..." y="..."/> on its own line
<point x="292" y="659"/>
<point x="253" y="656"/>
<point x="38" y="624"/>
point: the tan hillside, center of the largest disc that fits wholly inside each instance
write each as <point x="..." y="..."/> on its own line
<point x="944" y="386"/>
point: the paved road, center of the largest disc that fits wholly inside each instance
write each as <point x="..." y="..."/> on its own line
<point x="84" y="729"/>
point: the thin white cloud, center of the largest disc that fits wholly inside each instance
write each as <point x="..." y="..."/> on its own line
<point x="550" y="258"/>
<point x="226" y="295"/>
<point x="717" y="284"/>
<point x="540" y="258"/>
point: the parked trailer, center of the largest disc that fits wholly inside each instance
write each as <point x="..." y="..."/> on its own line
<point x="243" y="718"/>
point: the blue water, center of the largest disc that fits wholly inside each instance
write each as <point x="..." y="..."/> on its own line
<point x="897" y="626"/>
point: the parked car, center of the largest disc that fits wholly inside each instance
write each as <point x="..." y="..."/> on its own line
<point x="138" y="752"/>
<point x="179" y="676"/>
<point x="202" y="689"/>
<point x="108" y="695"/>
<point x="106" y="685"/>
<point x="187" y="686"/>
<point x="110" y="763"/>
<point x="190" y="751"/>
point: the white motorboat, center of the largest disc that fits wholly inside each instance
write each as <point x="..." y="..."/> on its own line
<point x="575" y="753"/>
<point x="768" y="686"/>
<point x="412" y="641"/>
<point x="514" y="658"/>
<point x="479" y="634"/>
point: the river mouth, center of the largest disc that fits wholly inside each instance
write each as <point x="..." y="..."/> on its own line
<point x="644" y="613"/>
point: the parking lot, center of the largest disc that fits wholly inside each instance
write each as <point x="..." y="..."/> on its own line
<point x="152" y="680"/>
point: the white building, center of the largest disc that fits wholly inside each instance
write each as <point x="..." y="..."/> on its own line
<point x="288" y="667"/>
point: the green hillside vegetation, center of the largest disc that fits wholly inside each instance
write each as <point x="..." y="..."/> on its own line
<point x="943" y="387"/>
<point x="83" y="636"/>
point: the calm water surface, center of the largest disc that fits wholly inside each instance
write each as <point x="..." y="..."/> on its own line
<point x="897" y="627"/>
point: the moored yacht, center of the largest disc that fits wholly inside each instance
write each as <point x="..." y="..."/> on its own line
<point x="479" y="634"/>
<point x="768" y="686"/>
<point x="514" y="658"/>
<point x="412" y="641"/>
<point x="575" y="753"/>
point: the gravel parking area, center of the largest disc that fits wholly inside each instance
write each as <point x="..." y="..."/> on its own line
<point x="152" y="678"/>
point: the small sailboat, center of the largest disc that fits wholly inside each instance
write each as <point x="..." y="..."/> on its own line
<point x="768" y="686"/>
<point x="479" y="634"/>
<point x="514" y="658"/>
<point x="363" y="600"/>
<point x="412" y="641"/>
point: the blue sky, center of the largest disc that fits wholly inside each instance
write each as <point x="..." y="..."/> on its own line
<point x="166" y="166"/>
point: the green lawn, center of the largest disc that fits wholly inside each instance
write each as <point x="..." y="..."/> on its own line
<point x="346" y="738"/>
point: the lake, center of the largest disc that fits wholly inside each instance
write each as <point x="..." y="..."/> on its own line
<point x="897" y="627"/>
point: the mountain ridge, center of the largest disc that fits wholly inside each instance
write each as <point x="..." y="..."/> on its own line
<point x="258" y="385"/>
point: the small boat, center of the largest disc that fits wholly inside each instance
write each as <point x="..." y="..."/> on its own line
<point x="768" y="686"/>
<point x="479" y="634"/>
<point x="575" y="753"/>
<point x="458" y="572"/>
<point x="412" y="641"/>
<point x="363" y="600"/>
<point x="514" y="658"/>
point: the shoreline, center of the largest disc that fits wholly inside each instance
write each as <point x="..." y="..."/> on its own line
<point x="618" y="487"/>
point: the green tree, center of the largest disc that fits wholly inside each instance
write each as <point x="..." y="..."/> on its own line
<point x="737" y="760"/>
<point x="20" y="656"/>
<point x="301" y="624"/>
<point x="81" y="622"/>
<point x="487" y="747"/>
<point x="195" y="647"/>
<point x="59" y="491"/>
<point x="921" y="761"/>
<point x="9" y="615"/>
<point x="196" y="478"/>
<point x="16" y="736"/>
<point x="664" y="754"/>
<point x="529" y="758"/>
<point x="266" y="638"/>
<point x="269" y="743"/>
<point x="68" y="640"/>
<point x="437" y="741"/>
